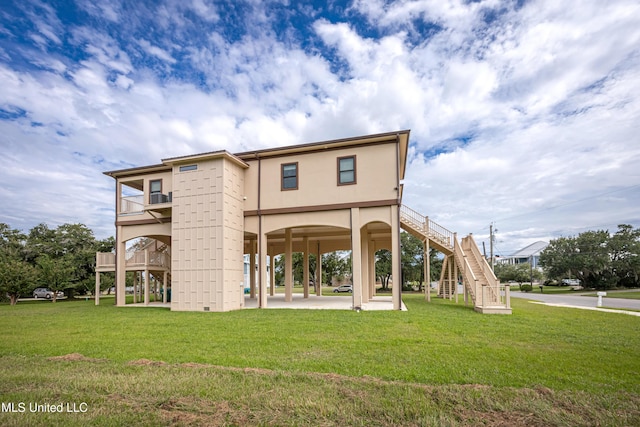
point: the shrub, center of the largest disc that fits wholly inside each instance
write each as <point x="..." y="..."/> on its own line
<point x="526" y="288"/>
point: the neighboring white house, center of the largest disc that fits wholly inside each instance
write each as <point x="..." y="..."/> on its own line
<point x="528" y="254"/>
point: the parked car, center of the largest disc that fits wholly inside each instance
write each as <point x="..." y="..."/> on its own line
<point x="46" y="293"/>
<point x="343" y="288"/>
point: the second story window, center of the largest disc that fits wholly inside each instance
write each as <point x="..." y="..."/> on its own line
<point x="290" y="176"/>
<point x="155" y="191"/>
<point x="346" y="170"/>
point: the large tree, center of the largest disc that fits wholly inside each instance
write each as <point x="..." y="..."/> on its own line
<point x="624" y="249"/>
<point x="55" y="273"/>
<point x="412" y="261"/>
<point x="16" y="275"/>
<point x="16" y="278"/>
<point x="597" y="258"/>
<point x="518" y="273"/>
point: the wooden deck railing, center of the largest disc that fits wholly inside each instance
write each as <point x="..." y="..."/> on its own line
<point x="106" y="261"/>
<point x="425" y="226"/>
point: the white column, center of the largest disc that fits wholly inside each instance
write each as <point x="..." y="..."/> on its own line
<point x="356" y="257"/>
<point x="262" y="265"/>
<point x="288" y="266"/>
<point x="372" y="269"/>
<point x="364" y="239"/>
<point x="165" y="286"/>
<point x="427" y="271"/>
<point x="455" y="281"/>
<point x="272" y="275"/>
<point x="252" y="269"/>
<point x="318" y="271"/>
<point x="121" y="271"/>
<point x="97" y="296"/>
<point x="396" y="290"/>
<point x="146" y="287"/>
<point x="305" y="275"/>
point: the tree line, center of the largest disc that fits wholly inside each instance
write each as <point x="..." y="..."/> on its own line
<point x="61" y="259"/>
<point x="599" y="259"/>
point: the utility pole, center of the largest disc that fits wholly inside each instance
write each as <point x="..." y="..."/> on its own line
<point x="491" y="244"/>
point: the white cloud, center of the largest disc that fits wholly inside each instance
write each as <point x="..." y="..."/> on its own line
<point x="156" y="51"/>
<point x="535" y="114"/>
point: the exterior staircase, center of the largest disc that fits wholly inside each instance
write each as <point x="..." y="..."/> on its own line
<point x="463" y="261"/>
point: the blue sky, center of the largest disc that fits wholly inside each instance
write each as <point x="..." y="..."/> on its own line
<point x="525" y="114"/>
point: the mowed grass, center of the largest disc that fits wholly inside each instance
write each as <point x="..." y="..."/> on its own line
<point x="436" y="364"/>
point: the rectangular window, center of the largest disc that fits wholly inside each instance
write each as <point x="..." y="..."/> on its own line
<point x="188" y="168"/>
<point x="290" y="176"/>
<point x="346" y="170"/>
<point x="155" y="186"/>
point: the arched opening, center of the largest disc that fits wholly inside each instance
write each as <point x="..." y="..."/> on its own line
<point x="142" y="270"/>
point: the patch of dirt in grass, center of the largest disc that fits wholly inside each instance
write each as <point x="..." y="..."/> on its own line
<point x="499" y="419"/>
<point x="75" y="357"/>
<point x="192" y="411"/>
<point x="147" y="362"/>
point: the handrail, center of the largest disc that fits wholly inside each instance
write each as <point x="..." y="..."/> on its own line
<point x="486" y="269"/>
<point x="413" y="217"/>
<point x="491" y="291"/>
<point x="440" y="233"/>
<point x="139" y="258"/>
<point x="426" y="226"/>
<point x="132" y="204"/>
<point x="467" y="273"/>
<point x="105" y="259"/>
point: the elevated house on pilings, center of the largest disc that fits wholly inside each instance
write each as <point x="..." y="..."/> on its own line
<point x="212" y="209"/>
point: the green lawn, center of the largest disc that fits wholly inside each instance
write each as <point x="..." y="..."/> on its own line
<point x="437" y="364"/>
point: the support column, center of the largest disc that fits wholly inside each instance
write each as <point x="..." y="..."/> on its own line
<point x="455" y="281"/>
<point x="451" y="262"/>
<point x="305" y="275"/>
<point x="288" y="266"/>
<point x="97" y="296"/>
<point x="364" y="239"/>
<point x="135" y="286"/>
<point x="165" y="286"/>
<point x="396" y="290"/>
<point x="356" y="258"/>
<point x="372" y="269"/>
<point x="318" y="271"/>
<point x="121" y="272"/>
<point x="427" y="271"/>
<point x="146" y="286"/>
<point x="262" y="265"/>
<point x="252" y="269"/>
<point x="272" y="275"/>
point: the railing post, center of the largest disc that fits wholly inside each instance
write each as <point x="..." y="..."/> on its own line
<point x="507" y="295"/>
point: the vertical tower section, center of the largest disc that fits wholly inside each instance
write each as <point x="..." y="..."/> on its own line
<point x="207" y="232"/>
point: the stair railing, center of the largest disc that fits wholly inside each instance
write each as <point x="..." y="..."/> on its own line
<point x="492" y="294"/>
<point x="469" y="278"/>
<point x="426" y="226"/>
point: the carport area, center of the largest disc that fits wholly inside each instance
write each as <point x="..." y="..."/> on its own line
<point x="324" y="302"/>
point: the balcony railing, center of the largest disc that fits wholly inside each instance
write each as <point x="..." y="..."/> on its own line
<point x="107" y="261"/>
<point x="157" y="198"/>
<point x="132" y="204"/>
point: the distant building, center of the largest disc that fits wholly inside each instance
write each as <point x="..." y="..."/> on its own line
<point x="528" y="254"/>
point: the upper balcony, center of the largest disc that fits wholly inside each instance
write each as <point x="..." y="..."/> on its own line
<point x="144" y="196"/>
<point x="160" y="203"/>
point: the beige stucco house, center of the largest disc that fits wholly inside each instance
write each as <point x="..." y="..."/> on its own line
<point x="206" y="211"/>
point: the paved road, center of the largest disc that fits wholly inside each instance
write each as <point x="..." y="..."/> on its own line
<point x="579" y="300"/>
